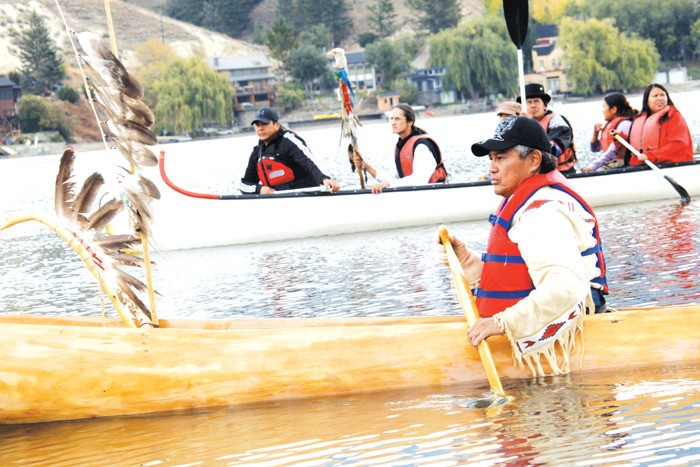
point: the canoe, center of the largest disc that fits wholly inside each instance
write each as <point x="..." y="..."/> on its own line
<point x="65" y="368"/>
<point x="185" y="221"/>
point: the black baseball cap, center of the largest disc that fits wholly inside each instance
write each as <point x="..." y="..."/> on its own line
<point x="265" y="115"/>
<point x="512" y="131"/>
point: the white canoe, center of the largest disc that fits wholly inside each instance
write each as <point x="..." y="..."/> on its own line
<point x="184" y="222"/>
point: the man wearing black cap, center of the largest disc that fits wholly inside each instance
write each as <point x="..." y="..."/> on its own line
<point x="281" y="160"/>
<point x="543" y="265"/>
<point x="557" y="126"/>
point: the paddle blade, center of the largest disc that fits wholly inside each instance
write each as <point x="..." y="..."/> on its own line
<point x="517" y="16"/>
<point x="685" y="196"/>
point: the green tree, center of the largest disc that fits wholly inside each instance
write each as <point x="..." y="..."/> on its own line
<point x="436" y="15"/>
<point x="598" y="57"/>
<point x="408" y="91"/>
<point x="230" y="17"/>
<point x="190" y="94"/>
<point x="381" y="18"/>
<point x="303" y="14"/>
<point x="290" y="96"/>
<point x="40" y="114"/>
<point x="668" y="25"/>
<point x="387" y="58"/>
<point x="478" y="56"/>
<point x="41" y="66"/>
<point x="280" y="39"/>
<point x="308" y="64"/>
<point x="319" y="36"/>
<point x="695" y="37"/>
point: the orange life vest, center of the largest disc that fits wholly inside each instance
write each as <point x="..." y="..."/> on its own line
<point x="404" y="159"/>
<point x="272" y="172"/>
<point x="504" y="278"/>
<point x="566" y="159"/>
<point x="606" y="139"/>
<point x="646" y="130"/>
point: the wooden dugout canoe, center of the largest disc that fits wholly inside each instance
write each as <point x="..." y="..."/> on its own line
<point x="72" y="368"/>
<point x="189" y="222"/>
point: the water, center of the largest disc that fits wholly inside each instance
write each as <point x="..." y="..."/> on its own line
<point x="629" y="417"/>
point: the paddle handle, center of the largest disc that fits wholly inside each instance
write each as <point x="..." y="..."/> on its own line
<point x="635" y="152"/>
<point x="466" y="299"/>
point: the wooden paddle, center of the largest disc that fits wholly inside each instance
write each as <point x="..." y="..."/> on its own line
<point x="685" y="197"/>
<point x="466" y="299"/>
<point x="517" y="16"/>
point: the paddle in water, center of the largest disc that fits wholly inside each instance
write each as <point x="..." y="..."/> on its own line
<point x="466" y="299"/>
<point x="685" y="196"/>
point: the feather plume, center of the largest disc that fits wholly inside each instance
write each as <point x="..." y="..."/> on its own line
<point x="63" y="197"/>
<point x="87" y="194"/>
<point x="121" y="108"/>
<point x="99" y="219"/>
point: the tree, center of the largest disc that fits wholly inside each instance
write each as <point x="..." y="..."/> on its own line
<point x="230" y="17"/>
<point x="436" y="15"/>
<point x="319" y="36"/>
<point x="669" y="27"/>
<point x="478" y="56"/>
<point x="381" y="18"/>
<point x="308" y="64"/>
<point x="41" y="66"/>
<point x="598" y="57"/>
<point x="190" y="94"/>
<point x="550" y="11"/>
<point x="303" y="14"/>
<point x="289" y="96"/>
<point x="387" y="59"/>
<point x="280" y="39"/>
<point x="40" y="114"/>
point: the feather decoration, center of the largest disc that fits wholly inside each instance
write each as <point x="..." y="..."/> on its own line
<point x="87" y="194"/>
<point x="121" y="108"/>
<point x="64" y="194"/>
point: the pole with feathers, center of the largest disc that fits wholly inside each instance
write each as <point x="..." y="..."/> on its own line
<point x="349" y="122"/>
<point x="115" y="98"/>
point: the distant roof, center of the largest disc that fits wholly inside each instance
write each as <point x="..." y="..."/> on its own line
<point x="544" y="49"/>
<point x="4" y="82"/>
<point x="238" y="63"/>
<point x="546" y="30"/>
<point x="357" y="56"/>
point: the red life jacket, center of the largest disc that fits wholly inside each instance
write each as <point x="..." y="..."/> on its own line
<point x="566" y="159"/>
<point x="504" y="278"/>
<point x="606" y="139"/>
<point x="404" y="159"/>
<point x="646" y="130"/>
<point x="271" y="171"/>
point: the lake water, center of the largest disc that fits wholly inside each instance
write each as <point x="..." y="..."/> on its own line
<point x="628" y="417"/>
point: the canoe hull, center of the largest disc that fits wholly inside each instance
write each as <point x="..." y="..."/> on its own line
<point x="185" y="222"/>
<point x="83" y="368"/>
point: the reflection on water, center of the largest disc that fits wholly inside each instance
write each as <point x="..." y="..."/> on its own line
<point x="641" y="417"/>
<point x="637" y="416"/>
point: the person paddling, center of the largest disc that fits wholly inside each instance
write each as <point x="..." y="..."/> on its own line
<point x="417" y="156"/>
<point x="544" y="266"/>
<point x="557" y="127"/>
<point x="618" y="115"/>
<point x="281" y="160"/>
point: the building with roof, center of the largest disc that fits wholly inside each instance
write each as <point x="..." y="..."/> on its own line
<point x="430" y="89"/>
<point x="252" y="78"/>
<point x="360" y="73"/>
<point x="10" y="93"/>
<point x="547" y="63"/>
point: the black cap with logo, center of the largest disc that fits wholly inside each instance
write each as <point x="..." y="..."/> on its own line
<point x="512" y="131"/>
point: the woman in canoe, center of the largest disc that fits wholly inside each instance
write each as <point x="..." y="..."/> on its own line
<point x="618" y="115"/>
<point x="417" y="156"/>
<point x="660" y="132"/>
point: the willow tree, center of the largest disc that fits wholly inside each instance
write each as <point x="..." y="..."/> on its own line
<point x="190" y="94"/>
<point x="478" y="57"/>
<point x="598" y="57"/>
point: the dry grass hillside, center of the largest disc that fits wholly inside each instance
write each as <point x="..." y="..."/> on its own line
<point x="132" y="24"/>
<point x="136" y="21"/>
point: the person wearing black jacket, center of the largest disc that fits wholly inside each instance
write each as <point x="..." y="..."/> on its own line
<point x="281" y="160"/>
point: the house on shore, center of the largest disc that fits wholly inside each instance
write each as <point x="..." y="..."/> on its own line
<point x="547" y="63"/>
<point x="252" y="78"/>
<point x="10" y="93"/>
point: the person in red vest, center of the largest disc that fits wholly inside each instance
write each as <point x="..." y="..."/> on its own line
<point x="558" y="128"/>
<point x="660" y="132"/>
<point x="417" y="156"/>
<point x="544" y="266"/>
<point x="281" y="160"/>
<point x="618" y="115"/>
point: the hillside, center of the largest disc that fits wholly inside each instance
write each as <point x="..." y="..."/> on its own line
<point x="132" y="24"/>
